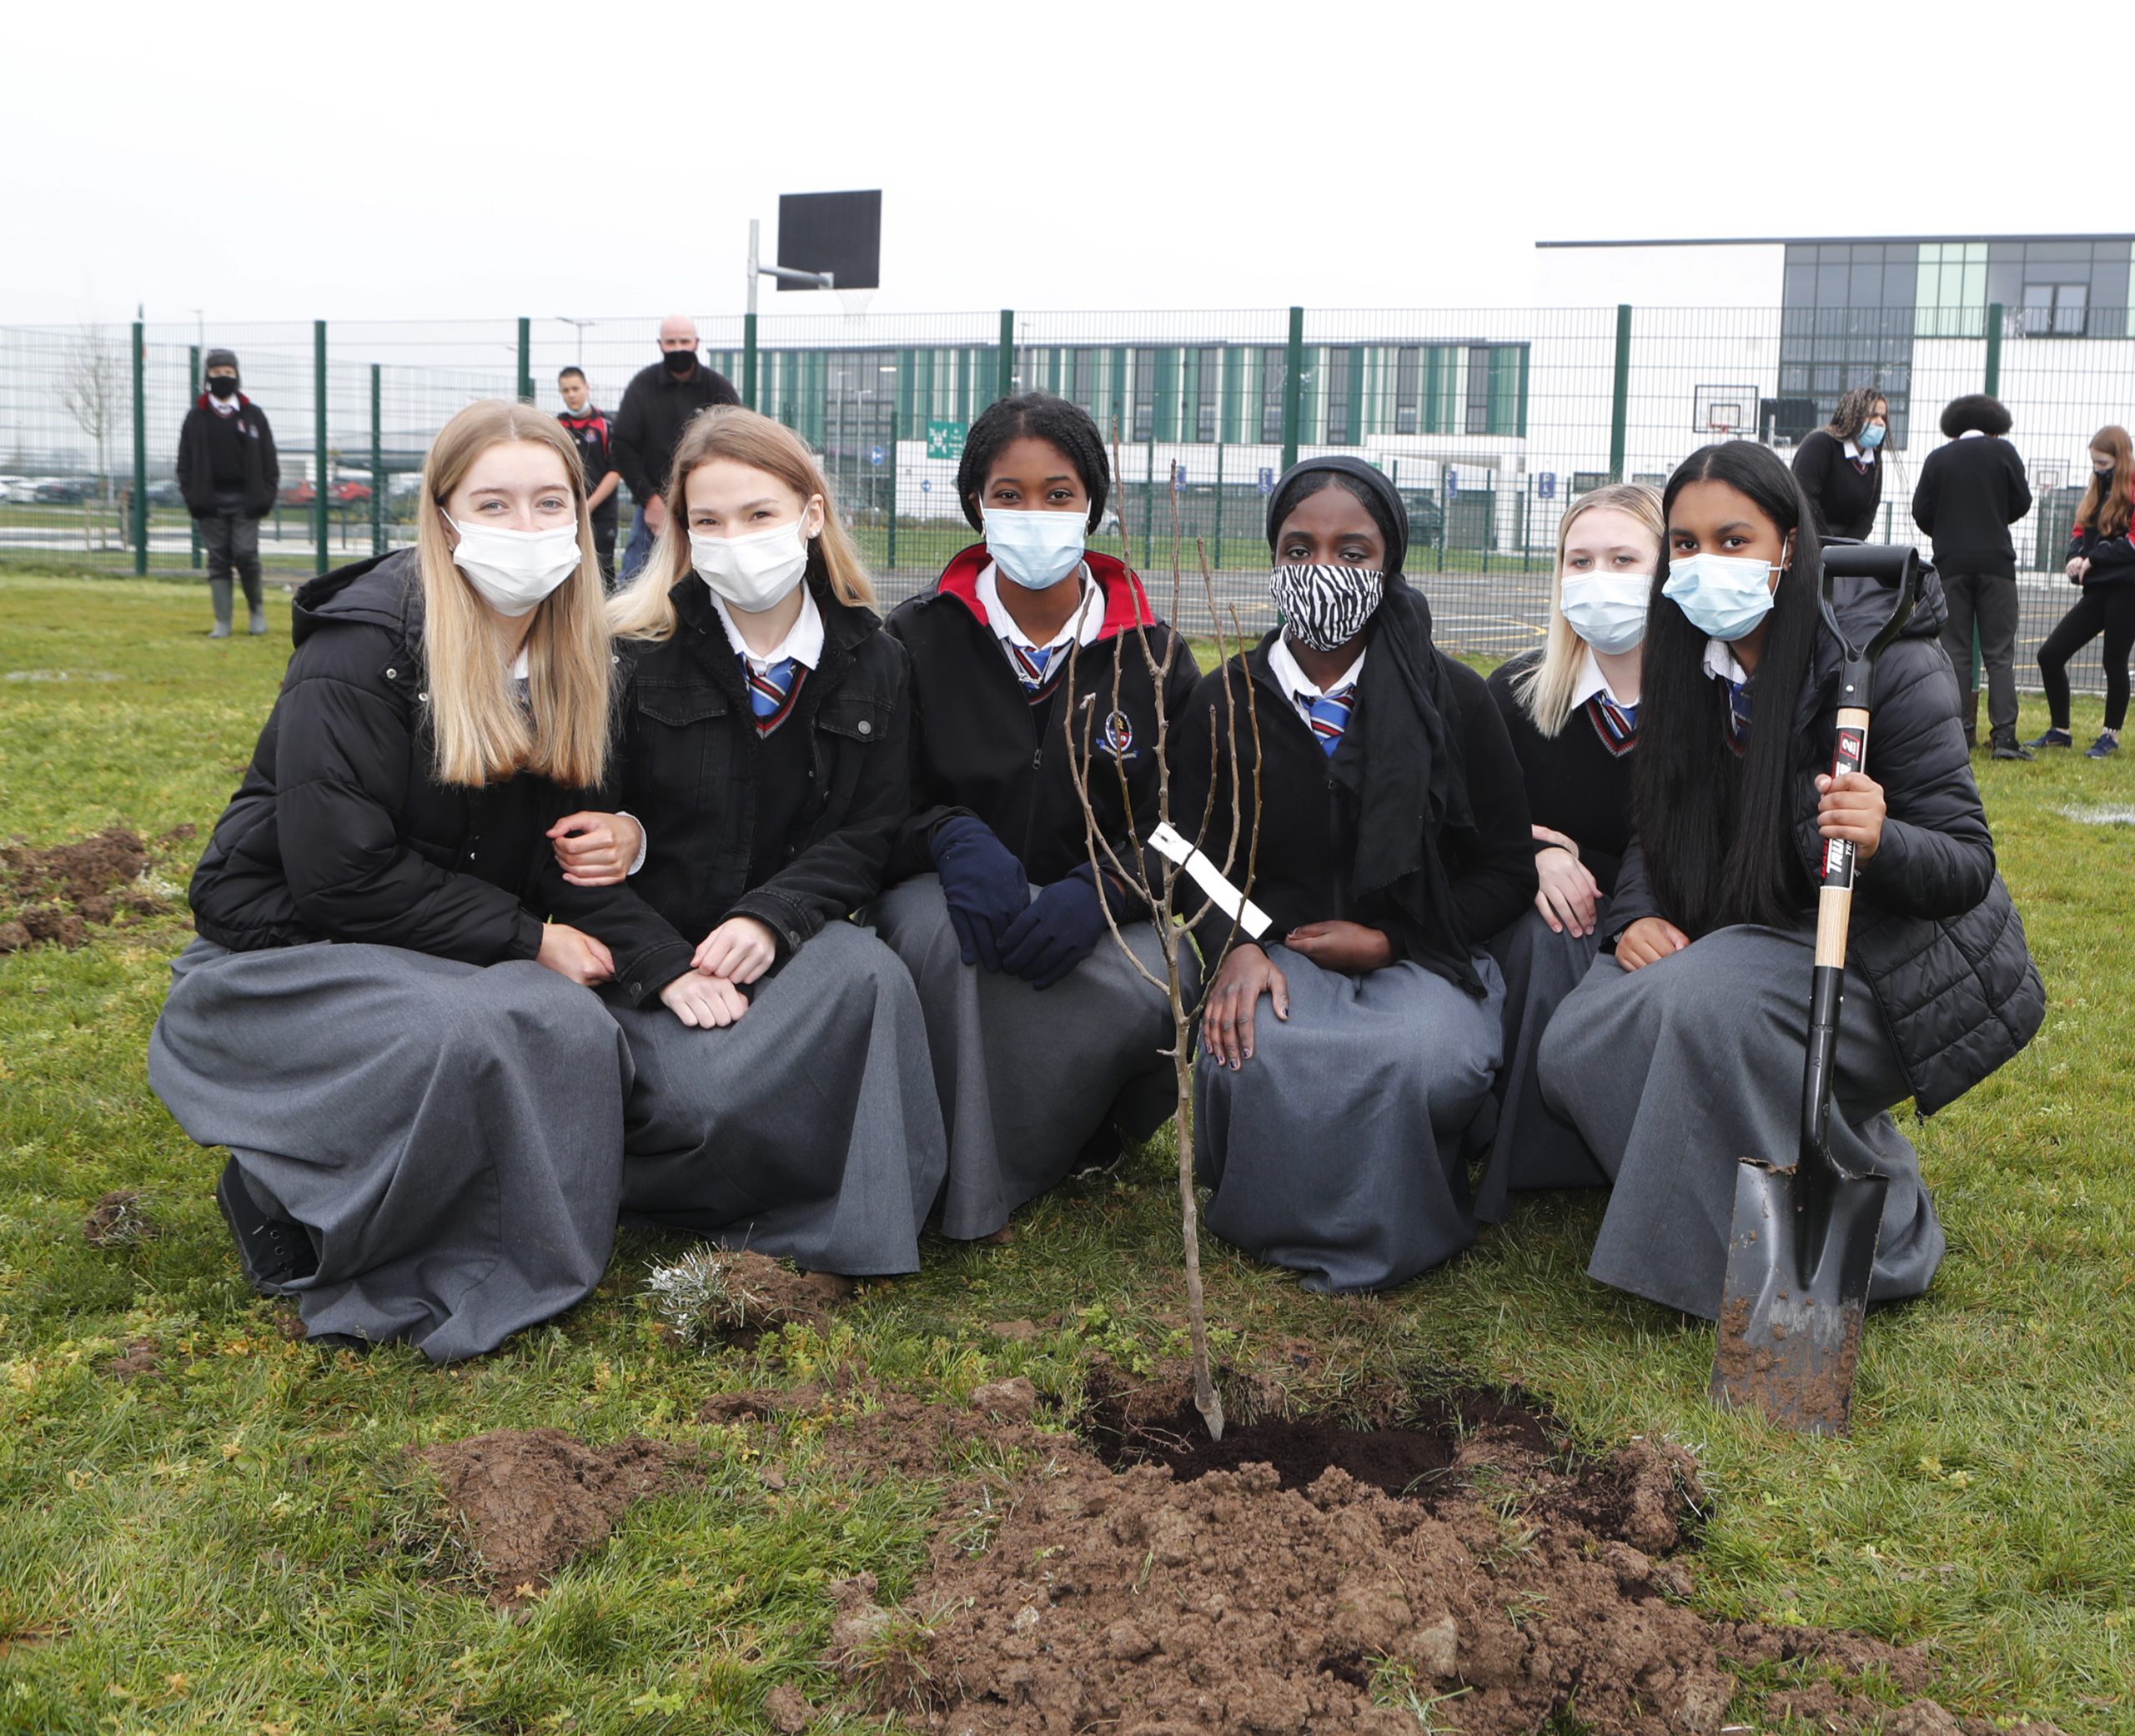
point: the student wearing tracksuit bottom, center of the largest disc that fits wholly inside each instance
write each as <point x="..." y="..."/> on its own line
<point x="1048" y="1040"/>
<point x="782" y="1098"/>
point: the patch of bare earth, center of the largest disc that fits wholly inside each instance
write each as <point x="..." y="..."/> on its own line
<point x="534" y="1499"/>
<point x="1301" y="1576"/>
<point x="56" y="895"/>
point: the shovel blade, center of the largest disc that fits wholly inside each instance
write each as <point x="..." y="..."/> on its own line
<point x="1795" y="1292"/>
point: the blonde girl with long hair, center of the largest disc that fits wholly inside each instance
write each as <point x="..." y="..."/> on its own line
<point x="423" y="1116"/>
<point x="1571" y="709"/>
<point x="2102" y="561"/>
<point x="784" y="1098"/>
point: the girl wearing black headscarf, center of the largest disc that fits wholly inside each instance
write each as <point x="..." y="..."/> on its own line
<point x="1393" y="840"/>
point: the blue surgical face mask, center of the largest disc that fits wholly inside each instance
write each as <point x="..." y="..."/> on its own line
<point x="1724" y="596"/>
<point x="1869" y="439"/>
<point x="1608" y="609"/>
<point x="1036" y="550"/>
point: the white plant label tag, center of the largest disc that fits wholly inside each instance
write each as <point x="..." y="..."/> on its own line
<point x="1209" y="878"/>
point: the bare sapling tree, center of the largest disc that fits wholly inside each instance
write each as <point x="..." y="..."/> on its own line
<point x="91" y="393"/>
<point x="1165" y="887"/>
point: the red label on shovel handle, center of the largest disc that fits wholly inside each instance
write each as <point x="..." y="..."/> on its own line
<point x="1848" y="754"/>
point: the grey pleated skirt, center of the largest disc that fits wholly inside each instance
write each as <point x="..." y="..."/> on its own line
<point x="1675" y="1073"/>
<point x="1533" y="1147"/>
<point x="451" y="1136"/>
<point x="1339" y="1149"/>
<point x="1027" y="1077"/>
<point x="807" y="1129"/>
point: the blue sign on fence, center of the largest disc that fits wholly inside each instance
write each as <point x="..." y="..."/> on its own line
<point x="874" y="454"/>
<point x="1267" y="479"/>
<point x="1178" y="479"/>
<point x="1545" y="485"/>
<point x="926" y="484"/>
<point x="1452" y="480"/>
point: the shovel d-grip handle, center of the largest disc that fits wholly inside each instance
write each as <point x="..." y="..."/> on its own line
<point x="1834" y="925"/>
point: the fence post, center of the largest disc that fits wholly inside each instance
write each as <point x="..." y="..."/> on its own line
<point x="1620" y="397"/>
<point x="193" y="391"/>
<point x="1994" y="387"/>
<point x="376" y="467"/>
<point x="1006" y="381"/>
<point x="526" y="361"/>
<point x="1293" y="387"/>
<point x="319" y="482"/>
<point x="749" y="359"/>
<point x="138" y="509"/>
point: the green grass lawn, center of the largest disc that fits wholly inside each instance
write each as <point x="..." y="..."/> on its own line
<point x="239" y="1542"/>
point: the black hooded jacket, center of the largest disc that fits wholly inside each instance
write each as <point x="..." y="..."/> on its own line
<point x="1934" y="929"/>
<point x="793" y="829"/>
<point x="340" y="831"/>
<point x="196" y="457"/>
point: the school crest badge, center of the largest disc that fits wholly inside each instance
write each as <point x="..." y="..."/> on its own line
<point x="1116" y="737"/>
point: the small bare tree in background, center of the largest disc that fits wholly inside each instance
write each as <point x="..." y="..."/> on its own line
<point x="1167" y="889"/>
<point x="92" y="394"/>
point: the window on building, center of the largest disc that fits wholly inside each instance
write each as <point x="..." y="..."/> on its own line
<point x="1145" y="395"/>
<point x="1274" y="364"/>
<point x="1339" y="369"/>
<point x="1408" y="384"/>
<point x="1851" y="315"/>
<point x="1209" y="394"/>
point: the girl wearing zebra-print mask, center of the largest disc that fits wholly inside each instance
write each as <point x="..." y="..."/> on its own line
<point x="1334" y="1123"/>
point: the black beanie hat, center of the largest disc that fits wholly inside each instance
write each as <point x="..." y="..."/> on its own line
<point x="1381" y="497"/>
<point x="220" y="359"/>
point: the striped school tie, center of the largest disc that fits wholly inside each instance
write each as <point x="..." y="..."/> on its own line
<point x="1741" y="697"/>
<point x="1330" y="715"/>
<point x="1031" y="662"/>
<point x="770" y="691"/>
<point x="1617" y="725"/>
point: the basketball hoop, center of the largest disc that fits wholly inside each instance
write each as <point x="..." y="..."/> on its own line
<point x="853" y="303"/>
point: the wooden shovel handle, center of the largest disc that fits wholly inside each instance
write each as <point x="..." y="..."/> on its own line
<point x="1835" y="895"/>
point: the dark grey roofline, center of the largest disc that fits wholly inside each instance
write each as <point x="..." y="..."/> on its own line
<point x="1822" y="240"/>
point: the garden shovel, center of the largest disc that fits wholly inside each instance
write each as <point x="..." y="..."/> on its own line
<point x="1802" y="1246"/>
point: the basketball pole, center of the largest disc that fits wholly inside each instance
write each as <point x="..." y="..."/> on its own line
<point x="785" y="274"/>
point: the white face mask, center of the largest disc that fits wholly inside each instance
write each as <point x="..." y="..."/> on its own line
<point x="755" y="572"/>
<point x="1608" y="609"/>
<point x="515" y="569"/>
<point x="1036" y="550"/>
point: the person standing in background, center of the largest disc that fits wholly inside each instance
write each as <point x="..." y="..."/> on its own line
<point x="589" y="427"/>
<point x="656" y="404"/>
<point x="2102" y="560"/>
<point x="1970" y="492"/>
<point x="1841" y="465"/>
<point x="228" y="472"/>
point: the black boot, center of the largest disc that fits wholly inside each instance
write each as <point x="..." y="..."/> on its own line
<point x="2006" y="747"/>
<point x="273" y="1251"/>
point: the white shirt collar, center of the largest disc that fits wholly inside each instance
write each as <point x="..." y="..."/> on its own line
<point x="1720" y="662"/>
<point x="521" y="668"/>
<point x="1592" y="681"/>
<point x="1854" y="452"/>
<point x="1299" y="688"/>
<point x="1082" y="626"/>
<point x="1973" y="434"/>
<point x="226" y="406"/>
<point x="803" y="642"/>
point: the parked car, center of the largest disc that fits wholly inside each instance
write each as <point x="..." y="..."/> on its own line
<point x="166" y="493"/>
<point x="17" y="489"/>
<point x="298" y="493"/>
<point x="64" y="491"/>
<point x="348" y="492"/>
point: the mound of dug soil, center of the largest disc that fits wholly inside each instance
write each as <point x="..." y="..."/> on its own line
<point x="532" y="1499"/>
<point x="714" y="1295"/>
<point x="55" y="894"/>
<point x="1298" y="1577"/>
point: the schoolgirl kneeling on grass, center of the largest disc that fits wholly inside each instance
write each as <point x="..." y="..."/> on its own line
<point x="1049" y="1043"/>
<point x="1682" y="1051"/>
<point x="423" y="1100"/>
<point x="1571" y="709"/>
<point x="1333" y="1121"/>
<point x="783" y="1099"/>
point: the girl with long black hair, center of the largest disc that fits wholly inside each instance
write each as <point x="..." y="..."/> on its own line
<point x="1333" y="1122"/>
<point x="1682" y="1053"/>
<point x="1049" y="1043"/>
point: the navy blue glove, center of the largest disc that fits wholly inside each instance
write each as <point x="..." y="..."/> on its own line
<point x="984" y="885"/>
<point x="1061" y="929"/>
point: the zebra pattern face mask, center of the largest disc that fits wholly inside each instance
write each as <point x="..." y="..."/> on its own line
<point x="1324" y="608"/>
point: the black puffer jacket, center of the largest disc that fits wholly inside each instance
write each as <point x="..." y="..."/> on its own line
<point x="339" y="832"/>
<point x="1934" y="928"/>
<point x="794" y="829"/>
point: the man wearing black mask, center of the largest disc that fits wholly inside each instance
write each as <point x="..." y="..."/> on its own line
<point x="228" y="473"/>
<point x="656" y="405"/>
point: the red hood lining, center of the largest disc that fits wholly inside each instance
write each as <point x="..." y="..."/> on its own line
<point x="1126" y="603"/>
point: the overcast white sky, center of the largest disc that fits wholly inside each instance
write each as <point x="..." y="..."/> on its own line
<point x="441" y="160"/>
